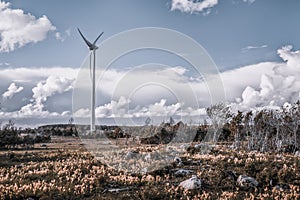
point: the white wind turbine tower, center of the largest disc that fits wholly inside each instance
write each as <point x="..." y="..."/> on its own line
<point x="92" y="48"/>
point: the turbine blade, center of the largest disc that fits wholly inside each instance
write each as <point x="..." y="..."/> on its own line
<point x="97" y="38"/>
<point x="86" y="41"/>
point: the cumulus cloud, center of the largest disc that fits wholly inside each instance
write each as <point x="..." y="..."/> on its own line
<point x="259" y="85"/>
<point x="190" y="6"/>
<point x="235" y="81"/>
<point x="161" y="109"/>
<point x="118" y="108"/>
<point x="292" y="58"/>
<point x="11" y="90"/>
<point x="83" y="112"/>
<point x="121" y="112"/>
<point x="35" y="109"/>
<point x="149" y="83"/>
<point x="121" y="108"/>
<point x="114" y="108"/>
<point x="41" y="88"/>
<point x="279" y="86"/>
<point x="18" y="28"/>
<point x="194" y="6"/>
<point x="53" y="84"/>
<point x="135" y="93"/>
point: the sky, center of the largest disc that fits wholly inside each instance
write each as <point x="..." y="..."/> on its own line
<point x="253" y="43"/>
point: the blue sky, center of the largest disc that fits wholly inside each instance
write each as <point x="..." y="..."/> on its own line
<point x="254" y="44"/>
<point x="230" y="27"/>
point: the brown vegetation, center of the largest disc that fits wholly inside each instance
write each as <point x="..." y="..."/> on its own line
<point x="262" y="147"/>
<point x="74" y="174"/>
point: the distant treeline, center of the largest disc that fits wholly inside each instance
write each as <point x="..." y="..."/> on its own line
<point x="264" y="130"/>
<point x="11" y="137"/>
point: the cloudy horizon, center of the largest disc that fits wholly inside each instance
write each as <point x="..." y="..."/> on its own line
<point x="38" y="74"/>
<point x="46" y="93"/>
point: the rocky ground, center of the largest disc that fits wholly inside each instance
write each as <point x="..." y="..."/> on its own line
<point x="65" y="170"/>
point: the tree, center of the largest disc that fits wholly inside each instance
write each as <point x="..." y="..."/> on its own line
<point x="219" y="114"/>
<point x="236" y="126"/>
<point x="296" y="117"/>
<point x="9" y="135"/>
<point x="291" y="117"/>
<point x="248" y="127"/>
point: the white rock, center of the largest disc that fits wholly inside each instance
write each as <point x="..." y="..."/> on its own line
<point x="148" y="157"/>
<point x="118" y="189"/>
<point x="131" y="155"/>
<point x="184" y="146"/>
<point x="183" y="172"/>
<point x="246" y="181"/>
<point x="198" y="146"/>
<point x="144" y="170"/>
<point x="177" y="159"/>
<point x="192" y="183"/>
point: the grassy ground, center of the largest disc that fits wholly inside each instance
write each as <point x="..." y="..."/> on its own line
<point x="65" y="170"/>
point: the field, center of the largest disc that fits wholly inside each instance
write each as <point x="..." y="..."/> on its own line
<point x="64" y="169"/>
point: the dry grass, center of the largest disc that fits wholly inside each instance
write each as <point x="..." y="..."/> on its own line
<point x="66" y="171"/>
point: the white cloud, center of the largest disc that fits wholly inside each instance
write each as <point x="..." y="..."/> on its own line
<point x="125" y="93"/>
<point x="39" y="84"/>
<point x="121" y="108"/>
<point x="18" y="28"/>
<point x="190" y="6"/>
<point x="250" y="96"/>
<point x="145" y="83"/>
<point x="203" y="6"/>
<point x="118" y="108"/>
<point x="279" y="86"/>
<point x="247" y="48"/>
<point x="43" y="90"/>
<point x="33" y="109"/>
<point x="11" y="90"/>
<point x="249" y="1"/>
<point x="34" y="75"/>
<point x="83" y="112"/>
<point x="161" y="109"/>
<point x="59" y="37"/>
<point x="257" y="85"/>
<point x="291" y="57"/>
<point x="235" y="81"/>
<point x="62" y="36"/>
<point x="121" y="113"/>
<point x="4" y="64"/>
<point x="53" y="84"/>
<point x="68" y="32"/>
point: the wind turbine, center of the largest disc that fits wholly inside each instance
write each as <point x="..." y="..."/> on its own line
<point x="92" y="48"/>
